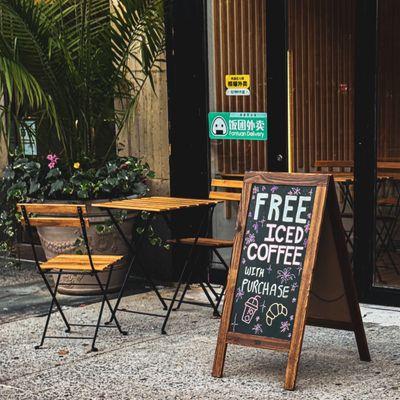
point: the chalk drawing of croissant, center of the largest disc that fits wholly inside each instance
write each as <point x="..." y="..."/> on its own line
<point x="274" y="311"/>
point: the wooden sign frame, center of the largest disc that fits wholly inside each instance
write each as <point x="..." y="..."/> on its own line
<point x="311" y="308"/>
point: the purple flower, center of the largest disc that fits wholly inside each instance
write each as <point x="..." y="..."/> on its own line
<point x="274" y="189"/>
<point x="53" y="160"/>
<point x="255" y="227"/>
<point x="255" y="189"/>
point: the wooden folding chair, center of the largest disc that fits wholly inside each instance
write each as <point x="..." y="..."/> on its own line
<point x="68" y="215"/>
<point x="213" y="244"/>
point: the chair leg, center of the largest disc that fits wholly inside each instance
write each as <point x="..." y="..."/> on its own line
<point x="217" y="253"/>
<point x="213" y="305"/>
<point x="188" y="278"/>
<point x="53" y="301"/>
<point x="104" y="292"/>
<point x="112" y="310"/>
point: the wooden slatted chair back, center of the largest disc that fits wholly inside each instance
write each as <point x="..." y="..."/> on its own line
<point x="64" y="215"/>
<point x="234" y="194"/>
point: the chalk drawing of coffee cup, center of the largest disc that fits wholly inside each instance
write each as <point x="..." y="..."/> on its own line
<point x="250" y="308"/>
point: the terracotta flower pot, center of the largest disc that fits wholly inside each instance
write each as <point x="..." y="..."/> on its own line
<point x="59" y="240"/>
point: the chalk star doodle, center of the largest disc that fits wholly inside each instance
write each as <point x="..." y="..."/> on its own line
<point x="285" y="326"/>
<point x="234" y="324"/>
<point x="294" y="300"/>
<point x="294" y="286"/>
<point x="310" y="192"/>
<point x="263" y="306"/>
<point x="285" y="275"/>
<point x="274" y="189"/>
<point x="263" y="188"/>
<point x="299" y="269"/>
<point x="291" y="317"/>
<point x="256" y="189"/>
<point x="255" y="227"/>
<point x="257" y="329"/>
<point x="243" y="261"/>
<point x="307" y="227"/>
<point x="262" y="222"/>
<point x="257" y="318"/>
<point x="305" y="242"/>
<point x="309" y="215"/>
<point x="239" y="294"/>
<point x="269" y="269"/>
<point x="296" y="191"/>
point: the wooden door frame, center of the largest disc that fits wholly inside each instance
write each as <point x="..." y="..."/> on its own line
<point x="277" y="81"/>
<point x="365" y="157"/>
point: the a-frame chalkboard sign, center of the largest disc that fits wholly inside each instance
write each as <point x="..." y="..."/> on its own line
<point x="290" y="267"/>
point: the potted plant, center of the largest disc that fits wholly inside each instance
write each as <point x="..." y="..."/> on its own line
<point x="71" y="73"/>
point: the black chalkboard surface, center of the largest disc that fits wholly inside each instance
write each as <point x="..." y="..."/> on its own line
<point x="271" y="262"/>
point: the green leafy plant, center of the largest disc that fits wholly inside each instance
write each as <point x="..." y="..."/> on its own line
<point x="77" y="67"/>
<point x="26" y="180"/>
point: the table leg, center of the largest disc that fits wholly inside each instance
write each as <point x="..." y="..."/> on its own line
<point x="184" y="269"/>
<point x="134" y="255"/>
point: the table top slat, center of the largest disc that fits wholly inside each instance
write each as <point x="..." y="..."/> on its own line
<point x="156" y="203"/>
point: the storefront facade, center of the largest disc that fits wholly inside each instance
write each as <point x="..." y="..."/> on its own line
<point x="325" y="73"/>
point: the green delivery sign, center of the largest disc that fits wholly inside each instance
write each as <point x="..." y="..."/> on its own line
<point x="238" y="125"/>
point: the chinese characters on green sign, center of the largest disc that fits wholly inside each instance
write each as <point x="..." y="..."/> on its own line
<point x="238" y="126"/>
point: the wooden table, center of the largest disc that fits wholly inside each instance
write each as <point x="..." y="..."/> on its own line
<point x="154" y="206"/>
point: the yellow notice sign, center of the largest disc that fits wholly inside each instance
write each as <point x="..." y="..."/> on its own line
<point x="237" y="85"/>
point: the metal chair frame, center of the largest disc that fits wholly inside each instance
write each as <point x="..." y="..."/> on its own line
<point x="53" y="292"/>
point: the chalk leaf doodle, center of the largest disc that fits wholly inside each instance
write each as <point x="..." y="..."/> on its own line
<point x="250" y="308"/>
<point x="274" y="311"/>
